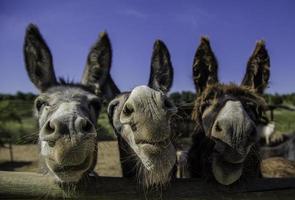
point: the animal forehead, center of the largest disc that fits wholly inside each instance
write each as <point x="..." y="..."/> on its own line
<point x="144" y="93"/>
<point x="231" y="109"/>
<point x="230" y="91"/>
<point x="68" y="93"/>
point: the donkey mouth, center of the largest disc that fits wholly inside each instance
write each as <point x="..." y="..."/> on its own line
<point x="58" y="168"/>
<point x="161" y="143"/>
<point x="228" y="153"/>
<point x="232" y="157"/>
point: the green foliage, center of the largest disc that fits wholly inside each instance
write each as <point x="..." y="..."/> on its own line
<point x="104" y="129"/>
<point x="16" y="121"/>
<point x="181" y="98"/>
<point x="19" y="95"/>
<point x="284" y="121"/>
<point x="278" y="99"/>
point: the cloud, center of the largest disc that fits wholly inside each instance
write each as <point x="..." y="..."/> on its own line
<point x="134" y="13"/>
<point x="194" y="16"/>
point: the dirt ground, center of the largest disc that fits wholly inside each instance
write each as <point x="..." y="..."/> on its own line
<point x="26" y="159"/>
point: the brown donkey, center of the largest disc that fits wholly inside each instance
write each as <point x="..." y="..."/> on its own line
<point x="67" y="112"/>
<point x="226" y="118"/>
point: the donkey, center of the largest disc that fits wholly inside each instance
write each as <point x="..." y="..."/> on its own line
<point x="141" y="120"/>
<point x="226" y="118"/>
<point x="67" y="112"/>
<point x="266" y="131"/>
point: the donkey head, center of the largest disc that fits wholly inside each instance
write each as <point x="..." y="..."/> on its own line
<point x="67" y="113"/>
<point x="229" y="114"/>
<point x="142" y="118"/>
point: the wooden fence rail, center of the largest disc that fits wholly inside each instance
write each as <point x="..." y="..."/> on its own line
<point x="32" y="185"/>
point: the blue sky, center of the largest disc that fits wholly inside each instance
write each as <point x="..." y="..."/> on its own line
<point x="71" y="27"/>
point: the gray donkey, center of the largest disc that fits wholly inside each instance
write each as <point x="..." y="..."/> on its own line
<point x="141" y="120"/>
<point x="67" y="112"/>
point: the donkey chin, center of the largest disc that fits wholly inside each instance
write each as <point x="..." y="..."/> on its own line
<point x="156" y="157"/>
<point x="69" y="159"/>
<point x="228" y="162"/>
<point x="157" y="161"/>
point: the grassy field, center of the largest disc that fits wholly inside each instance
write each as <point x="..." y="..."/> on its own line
<point x="285" y="121"/>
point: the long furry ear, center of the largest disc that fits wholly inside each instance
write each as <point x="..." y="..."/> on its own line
<point x="38" y="59"/>
<point x="161" y="76"/>
<point x="205" y="66"/>
<point x="258" y="69"/>
<point x="97" y="70"/>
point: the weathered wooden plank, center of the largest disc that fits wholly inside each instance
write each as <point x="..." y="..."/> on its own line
<point x="28" y="185"/>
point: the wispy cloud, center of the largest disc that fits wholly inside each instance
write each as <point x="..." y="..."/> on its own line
<point x="194" y="16"/>
<point x="134" y="13"/>
<point x="188" y="18"/>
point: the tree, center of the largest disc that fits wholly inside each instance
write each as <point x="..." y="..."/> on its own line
<point x="182" y="98"/>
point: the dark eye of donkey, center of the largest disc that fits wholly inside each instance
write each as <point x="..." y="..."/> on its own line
<point x="252" y="108"/>
<point x="206" y="103"/>
<point x="39" y="104"/>
<point x="95" y="104"/>
<point x="167" y="103"/>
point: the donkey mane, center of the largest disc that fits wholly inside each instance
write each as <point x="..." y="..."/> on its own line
<point x="219" y="89"/>
<point x="66" y="82"/>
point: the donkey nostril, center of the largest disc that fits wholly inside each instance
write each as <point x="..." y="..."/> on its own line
<point x="218" y="128"/>
<point x="49" y="128"/>
<point x="86" y="126"/>
<point x="128" y="109"/>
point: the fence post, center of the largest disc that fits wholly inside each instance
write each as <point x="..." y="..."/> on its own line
<point x="10" y="150"/>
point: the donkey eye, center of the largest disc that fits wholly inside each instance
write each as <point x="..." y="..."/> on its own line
<point x="168" y="103"/>
<point x="252" y="108"/>
<point x="251" y="105"/>
<point x="207" y="102"/>
<point x="39" y="104"/>
<point x="95" y="104"/>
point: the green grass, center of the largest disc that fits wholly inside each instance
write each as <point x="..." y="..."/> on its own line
<point x="284" y="121"/>
<point x="22" y="133"/>
<point x="23" y="108"/>
<point x="104" y="130"/>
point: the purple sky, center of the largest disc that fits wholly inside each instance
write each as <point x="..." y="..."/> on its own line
<point x="71" y="27"/>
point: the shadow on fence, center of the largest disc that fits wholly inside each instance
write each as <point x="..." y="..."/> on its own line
<point x="32" y="185"/>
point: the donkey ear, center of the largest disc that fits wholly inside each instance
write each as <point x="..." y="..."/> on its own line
<point x="38" y="59"/>
<point x="205" y="66"/>
<point x="257" y="73"/>
<point x="97" y="70"/>
<point x="161" y="76"/>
